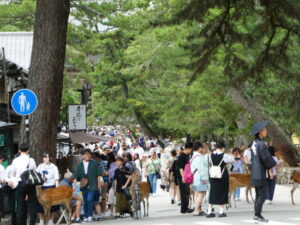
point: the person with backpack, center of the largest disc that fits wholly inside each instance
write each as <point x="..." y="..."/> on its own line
<point x="199" y="169"/>
<point x="184" y="188"/>
<point x="25" y="195"/>
<point x="219" y="179"/>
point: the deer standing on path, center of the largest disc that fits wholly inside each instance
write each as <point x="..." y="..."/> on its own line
<point x="55" y="196"/>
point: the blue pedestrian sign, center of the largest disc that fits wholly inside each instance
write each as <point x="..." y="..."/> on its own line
<point x="24" y="102"/>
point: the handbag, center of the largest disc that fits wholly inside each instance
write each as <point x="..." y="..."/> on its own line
<point x="31" y="178"/>
<point x="215" y="171"/>
<point x="158" y="176"/>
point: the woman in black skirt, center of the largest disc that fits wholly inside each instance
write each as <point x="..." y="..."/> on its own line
<point x="219" y="187"/>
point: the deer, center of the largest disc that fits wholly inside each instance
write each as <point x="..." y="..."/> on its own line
<point x="296" y="181"/>
<point x="144" y="190"/>
<point x="55" y="196"/>
<point x="239" y="180"/>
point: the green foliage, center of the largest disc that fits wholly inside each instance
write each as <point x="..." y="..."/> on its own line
<point x="171" y="63"/>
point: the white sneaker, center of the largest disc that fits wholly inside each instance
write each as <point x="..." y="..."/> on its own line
<point x="50" y="222"/>
<point x="41" y="222"/>
<point x="85" y="220"/>
<point x="89" y="219"/>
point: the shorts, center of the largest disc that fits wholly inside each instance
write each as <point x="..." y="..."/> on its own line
<point x="200" y="188"/>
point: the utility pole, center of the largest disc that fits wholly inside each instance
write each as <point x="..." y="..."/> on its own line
<point x="6" y="85"/>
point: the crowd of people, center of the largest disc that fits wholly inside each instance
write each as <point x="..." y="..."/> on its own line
<point x="101" y="180"/>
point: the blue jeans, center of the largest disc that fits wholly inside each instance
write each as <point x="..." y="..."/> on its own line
<point x="88" y="202"/>
<point x="153" y="181"/>
<point x="237" y="192"/>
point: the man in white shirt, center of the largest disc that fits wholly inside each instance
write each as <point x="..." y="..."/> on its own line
<point x="20" y="164"/>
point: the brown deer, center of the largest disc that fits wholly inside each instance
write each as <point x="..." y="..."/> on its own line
<point x="55" y="196"/>
<point x="296" y="181"/>
<point x="144" y="190"/>
<point x="239" y="180"/>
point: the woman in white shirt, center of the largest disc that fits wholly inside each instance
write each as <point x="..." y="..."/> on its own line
<point x="50" y="174"/>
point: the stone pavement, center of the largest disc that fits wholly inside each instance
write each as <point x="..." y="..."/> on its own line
<point x="281" y="212"/>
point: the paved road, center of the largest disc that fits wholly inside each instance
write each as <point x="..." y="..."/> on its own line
<point x="282" y="212"/>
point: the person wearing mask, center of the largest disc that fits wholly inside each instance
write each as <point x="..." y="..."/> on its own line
<point x="219" y="187"/>
<point x="76" y="202"/>
<point x="271" y="183"/>
<point x="183" y="186"/>
<point x="25" y="195"/>
<point x="199" y="167"/>
<point x="262" y="162"/>
<point x="50" y="175"/>
<point x="88" y="169"/>
<point x="152" y="170"/>
<point x="237" y="168"/>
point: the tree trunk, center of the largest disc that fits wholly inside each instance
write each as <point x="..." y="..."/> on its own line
<point x="241" y="122"/>
<point x="46" y="73"/>
<point x="279" y="139"/>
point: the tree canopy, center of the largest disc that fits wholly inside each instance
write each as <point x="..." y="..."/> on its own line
<point x="170" y="65"/>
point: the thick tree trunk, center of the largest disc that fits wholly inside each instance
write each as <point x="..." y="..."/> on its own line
<point x="242" y="139"/>
<point x="46" y="73"/>
<point x="279" y="139"/>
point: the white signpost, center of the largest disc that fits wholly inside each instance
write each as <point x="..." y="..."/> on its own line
<point x="77" y="117"/>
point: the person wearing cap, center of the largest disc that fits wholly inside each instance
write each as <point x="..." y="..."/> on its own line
<point x="76" y="201"/>
<point x="25" y="195"/>
<point x="262" y="162"/>
<point x="50" y="175"/>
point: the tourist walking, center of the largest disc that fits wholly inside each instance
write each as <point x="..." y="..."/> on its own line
<point x="262" y="162"/>
<point x="199" y="167"/>
<point x="219" y="181"/>
<point x="153" y="171"/>
<point x="183" y="186"/>
<point x="26" y="196"/>
<point x="50" y="175"/>
<point x="89" y="175"/>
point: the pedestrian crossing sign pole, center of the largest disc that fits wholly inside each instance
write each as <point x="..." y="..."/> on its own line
<point x="24" y="102"/>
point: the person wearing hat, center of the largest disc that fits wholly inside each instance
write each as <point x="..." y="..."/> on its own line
<point x="262" y="162"/>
